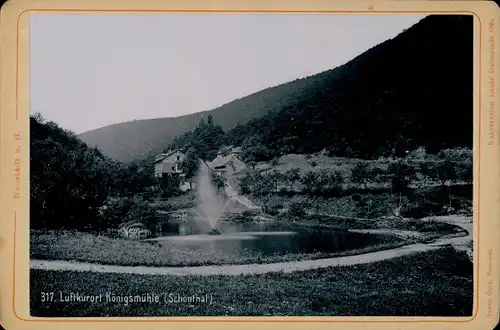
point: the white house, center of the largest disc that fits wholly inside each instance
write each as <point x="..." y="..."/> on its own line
<point x="169" y="163"/>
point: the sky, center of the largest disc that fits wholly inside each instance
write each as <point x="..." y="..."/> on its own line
<point x="93" y="70"/>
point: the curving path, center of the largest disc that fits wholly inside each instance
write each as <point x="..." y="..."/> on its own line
<point x="459" y="242"/>
<point x="250" y="269"/>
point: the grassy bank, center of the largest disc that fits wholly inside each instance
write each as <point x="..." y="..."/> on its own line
<point x="83" y="247"/>
<point x="436" y="283"/>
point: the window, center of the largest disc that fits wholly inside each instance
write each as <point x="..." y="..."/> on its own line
<point x="178" y="157"/>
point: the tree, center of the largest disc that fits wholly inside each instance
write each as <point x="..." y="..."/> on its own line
<point x="330" y="181"/>
<point x="443" y="171"/>
<point x="275" y="177"/>
<point x="191" y="163"/>
<point x="68" y="180"/>
<point x="362" y="174"/>
<point x="254" y="150"/>
<point x="310" y="182"/>
<point x="465" y="171"/>
<point x="401" y="145"/>
<point x="446" y="172"/>
<point x="336" y="181"/>
<point x="401" y="176"/>
<point x="202" y="122"/>
<point x="206" y="139"/>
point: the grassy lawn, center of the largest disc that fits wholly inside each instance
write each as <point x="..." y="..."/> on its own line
<point x="83" y="247"/>
<point x="436" y="283"/>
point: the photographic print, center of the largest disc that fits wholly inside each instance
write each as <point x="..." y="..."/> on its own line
<point x="235" y="165"/>
<point x="248" y="164"/>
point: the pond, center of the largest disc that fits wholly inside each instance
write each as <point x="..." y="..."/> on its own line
<point x="266" y="238"/>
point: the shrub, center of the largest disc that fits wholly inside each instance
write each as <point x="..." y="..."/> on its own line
<point x="297" y="209"/>
<point x="271" y="206"/>
<point x="170" y="186"/>
<point x="113" y="233"/>
<point x="262" y="187"/>
<point x="122" y="210"/>
<point x="246" y="216"/>
<point x="356" y="197"/>
<point x="244" y="185"/>
<point x="456" y="154"/>
<point x="218" y="180"/>
<point x="256" y="184"/>
<point x="418" y="154"/>
<point x="291" y="176"/>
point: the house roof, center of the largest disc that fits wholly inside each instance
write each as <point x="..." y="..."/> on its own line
<point x="223" y="161"/>
<point x="224" y="149"/>
<point x="230" y="149"/>
<point x="162" y="156"/>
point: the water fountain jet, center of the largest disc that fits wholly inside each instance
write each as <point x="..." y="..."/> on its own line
<point x="210" y="205"/>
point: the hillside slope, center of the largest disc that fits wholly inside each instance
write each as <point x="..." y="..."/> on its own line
<point x="415" y="88"/>
<point x="410" y="91"/>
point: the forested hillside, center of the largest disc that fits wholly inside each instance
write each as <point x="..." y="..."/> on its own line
<point x="414" y="90"/>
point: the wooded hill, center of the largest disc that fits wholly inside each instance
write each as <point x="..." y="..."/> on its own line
<point x="409" y="91"/>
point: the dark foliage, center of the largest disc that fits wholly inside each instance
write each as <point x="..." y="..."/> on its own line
<point x="70" y="181"/>
<point x="392" y="98"/>
<point x="204" y="141"/>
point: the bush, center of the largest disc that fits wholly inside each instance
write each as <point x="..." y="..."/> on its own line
<point x="113" y="233"/>
<point x="290" y="177"/>
<point x="244" y="184"/>
<point x="170" y="186"/>
<point x="417" y="154"/>
<point x="218" y="180"/>
<point x="356" y="197"/>
<point x="271" y="206"/>
<point x="246" y="216"/>
<point x="297" y="209"/>
<point x="456" y="154"/>
<point x="117" y="211"/>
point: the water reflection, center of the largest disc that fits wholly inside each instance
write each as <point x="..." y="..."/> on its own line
<point x="265" y="238"/>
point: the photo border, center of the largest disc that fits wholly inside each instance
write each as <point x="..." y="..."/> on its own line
<point x="15" y="46"/>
